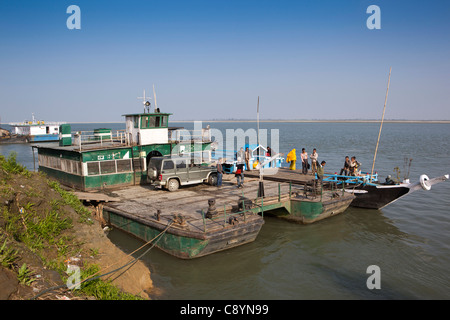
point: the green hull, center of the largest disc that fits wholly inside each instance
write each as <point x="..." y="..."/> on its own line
<point x="182" y="243"/>
<point x="305" y="210"/>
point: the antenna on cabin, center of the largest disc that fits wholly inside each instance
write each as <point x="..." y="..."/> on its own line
<point x="145" y="102"/>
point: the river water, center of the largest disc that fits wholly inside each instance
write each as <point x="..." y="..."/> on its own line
<point x="408" y="240"/>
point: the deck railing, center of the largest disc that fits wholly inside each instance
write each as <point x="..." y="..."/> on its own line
<point x="257" y="206"/>
<point x="362" y="178"/>
<point x="81" y="138"/>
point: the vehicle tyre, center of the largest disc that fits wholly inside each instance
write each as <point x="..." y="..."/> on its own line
<point x="173" y="185"/>
<point x="212" y="179"/>
<point x="152" y="173"/>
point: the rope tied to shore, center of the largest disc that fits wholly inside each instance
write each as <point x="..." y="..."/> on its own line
<point x="129" y="263"/>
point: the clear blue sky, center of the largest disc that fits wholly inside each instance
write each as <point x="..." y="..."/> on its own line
<point x="211" y="59"/>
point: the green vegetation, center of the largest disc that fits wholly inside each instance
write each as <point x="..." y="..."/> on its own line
<point x="102" y="290"/>
<point x="71" y="200"/>
<point x="8" y="256"/>
<point x="10" y="165"/>
<point x="38" y="221"/>
<point x="24" y="275"/>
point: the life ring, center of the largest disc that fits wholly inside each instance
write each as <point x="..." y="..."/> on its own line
<point x="424" y="182"/>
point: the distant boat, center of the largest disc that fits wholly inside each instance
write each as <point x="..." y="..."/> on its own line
<point x="35" y="130"/>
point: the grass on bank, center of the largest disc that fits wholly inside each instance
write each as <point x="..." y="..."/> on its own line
<point x="42" y="232"/>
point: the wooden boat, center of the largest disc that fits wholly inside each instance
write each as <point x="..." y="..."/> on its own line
<point x="370" y="193"/>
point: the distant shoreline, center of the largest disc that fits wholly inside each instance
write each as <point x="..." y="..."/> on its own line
<point x="324" y="121"/>
<point x="287" y="121"/>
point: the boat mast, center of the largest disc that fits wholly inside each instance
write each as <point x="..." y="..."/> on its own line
<point x="145" y="102"/>
<point x="381" y="125"/>
<point x="257" y="121"/>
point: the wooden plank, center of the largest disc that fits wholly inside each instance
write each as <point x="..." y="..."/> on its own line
<point x="91" y="196"/>
<point x="284" y="175"/>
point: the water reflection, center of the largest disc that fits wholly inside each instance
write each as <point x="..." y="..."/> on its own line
<point x="325" y="260"/>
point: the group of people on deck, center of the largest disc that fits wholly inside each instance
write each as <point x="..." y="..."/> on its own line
<point x="314" y="161"/>
<point x="350" y="168"/>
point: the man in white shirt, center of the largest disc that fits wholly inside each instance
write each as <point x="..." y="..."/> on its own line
<point x="314" y="156"/>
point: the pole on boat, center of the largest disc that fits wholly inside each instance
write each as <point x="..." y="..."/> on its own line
<point x="257" y="123"/>
<point x="381" y="125"/>
<point x="261" y="183"/>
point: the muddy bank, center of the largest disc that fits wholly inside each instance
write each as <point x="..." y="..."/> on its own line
<point x="43" y="229"/>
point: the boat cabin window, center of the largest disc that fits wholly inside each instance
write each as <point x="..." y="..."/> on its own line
<point x="136" y="121"/>
<point x="153" y="121"/>
<point x="149" y="122"/>
<point x="164" y="121"/>
<point x="145" y="122"/>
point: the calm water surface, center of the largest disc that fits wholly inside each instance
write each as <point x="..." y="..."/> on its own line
<point x="409" y="240"/>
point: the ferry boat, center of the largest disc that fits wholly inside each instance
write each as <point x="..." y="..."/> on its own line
<point x="35" y="130"/>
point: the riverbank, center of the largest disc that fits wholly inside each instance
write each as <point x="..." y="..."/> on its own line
<point x="43" y="230"/>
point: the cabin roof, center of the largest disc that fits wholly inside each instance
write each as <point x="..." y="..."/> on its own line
<point x="147" y="114"/>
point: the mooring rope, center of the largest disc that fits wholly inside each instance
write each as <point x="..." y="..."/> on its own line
<point x="93" y="277"/>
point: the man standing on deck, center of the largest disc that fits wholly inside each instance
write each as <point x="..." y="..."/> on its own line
<point x="304" y="156"/>
<point x="320" y="172"/>
<point x="314" y="156"/>
<point x="219" y="173"/>
<point x="247" y="159"/>
<point x="239" y="174"/>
